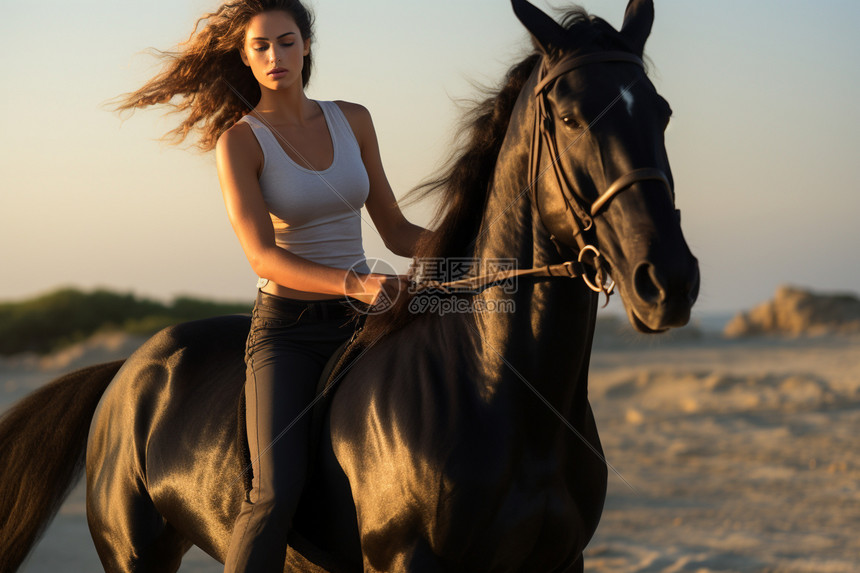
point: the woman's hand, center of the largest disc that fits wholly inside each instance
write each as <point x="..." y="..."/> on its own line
<point x="377" y="289"/>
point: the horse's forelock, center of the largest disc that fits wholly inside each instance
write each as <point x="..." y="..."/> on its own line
<point x="586" y="31"/>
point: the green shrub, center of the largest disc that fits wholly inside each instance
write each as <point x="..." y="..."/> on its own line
<point x="62" y="317"/>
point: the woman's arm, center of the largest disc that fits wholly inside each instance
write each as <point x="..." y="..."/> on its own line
<point x="237" y="161"/>
<point x="399" y="235"/>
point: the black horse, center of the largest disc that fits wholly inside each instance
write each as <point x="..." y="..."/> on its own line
<point x="456" y="441"/>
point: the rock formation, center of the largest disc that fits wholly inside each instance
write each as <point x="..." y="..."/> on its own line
<point x="798" y="312"/>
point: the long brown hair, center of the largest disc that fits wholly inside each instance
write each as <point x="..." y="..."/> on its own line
<point x="208" y="75"/>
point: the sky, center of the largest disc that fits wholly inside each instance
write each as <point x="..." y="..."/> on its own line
<point x="762" y="143"/>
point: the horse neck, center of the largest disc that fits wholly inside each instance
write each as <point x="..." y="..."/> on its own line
<point x="546" y="340"/>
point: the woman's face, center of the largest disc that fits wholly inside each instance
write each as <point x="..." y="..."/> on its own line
<point x="274" y="49"/>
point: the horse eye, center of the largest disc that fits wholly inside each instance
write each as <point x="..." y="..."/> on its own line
<point x="569" y="121"/>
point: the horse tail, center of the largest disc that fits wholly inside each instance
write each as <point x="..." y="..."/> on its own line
<point x="43" y="440"/>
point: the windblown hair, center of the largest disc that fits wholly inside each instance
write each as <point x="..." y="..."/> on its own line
<point x="208" y="75"/>
<point x="465" y="183"/>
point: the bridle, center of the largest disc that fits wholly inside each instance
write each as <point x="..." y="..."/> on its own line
<point x="580" y="214"/>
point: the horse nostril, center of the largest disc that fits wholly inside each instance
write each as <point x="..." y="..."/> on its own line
<point x="646" y="286"/>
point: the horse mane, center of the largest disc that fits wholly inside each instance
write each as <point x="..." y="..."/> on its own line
<point x="465" y="181"/>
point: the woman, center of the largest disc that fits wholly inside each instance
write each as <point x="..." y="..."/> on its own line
<point x="294" y="174"/>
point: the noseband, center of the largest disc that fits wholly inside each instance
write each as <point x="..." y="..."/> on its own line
<point x="583" y="214"/>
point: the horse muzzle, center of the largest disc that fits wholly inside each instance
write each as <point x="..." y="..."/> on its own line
<point x="660" y="297"/>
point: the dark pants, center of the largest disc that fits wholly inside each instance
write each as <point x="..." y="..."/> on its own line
<point x="288" y="346"/>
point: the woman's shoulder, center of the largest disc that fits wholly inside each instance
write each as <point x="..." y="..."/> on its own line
<point x="358" y="117"/>
<point x="237" y="134"/>
<point x="238" y="142"/>
<point x="350" y="108"/>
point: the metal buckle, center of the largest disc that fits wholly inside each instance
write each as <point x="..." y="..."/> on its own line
<point x="600" y="284"/>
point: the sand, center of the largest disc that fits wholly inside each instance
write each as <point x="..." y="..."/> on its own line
<point x="742" y="456"/>
<point x="731" y="455"/>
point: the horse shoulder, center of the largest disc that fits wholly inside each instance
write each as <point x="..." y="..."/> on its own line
<point x="402" y="425"/>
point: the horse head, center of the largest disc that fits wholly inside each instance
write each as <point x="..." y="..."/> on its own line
<point x="600" y="176"/>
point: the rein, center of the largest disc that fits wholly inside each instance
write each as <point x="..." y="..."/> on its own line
<point x="583" y="219"/>
<point x="567" y="269"/>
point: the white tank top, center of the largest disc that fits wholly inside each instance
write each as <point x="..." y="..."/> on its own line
<point x="316" y="214"/>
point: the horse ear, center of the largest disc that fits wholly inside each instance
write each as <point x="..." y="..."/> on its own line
<point x="638" y="19"/>
<point x="548" y="33"/>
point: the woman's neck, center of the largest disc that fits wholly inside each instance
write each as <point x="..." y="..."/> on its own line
<point x="287" y="106"/>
